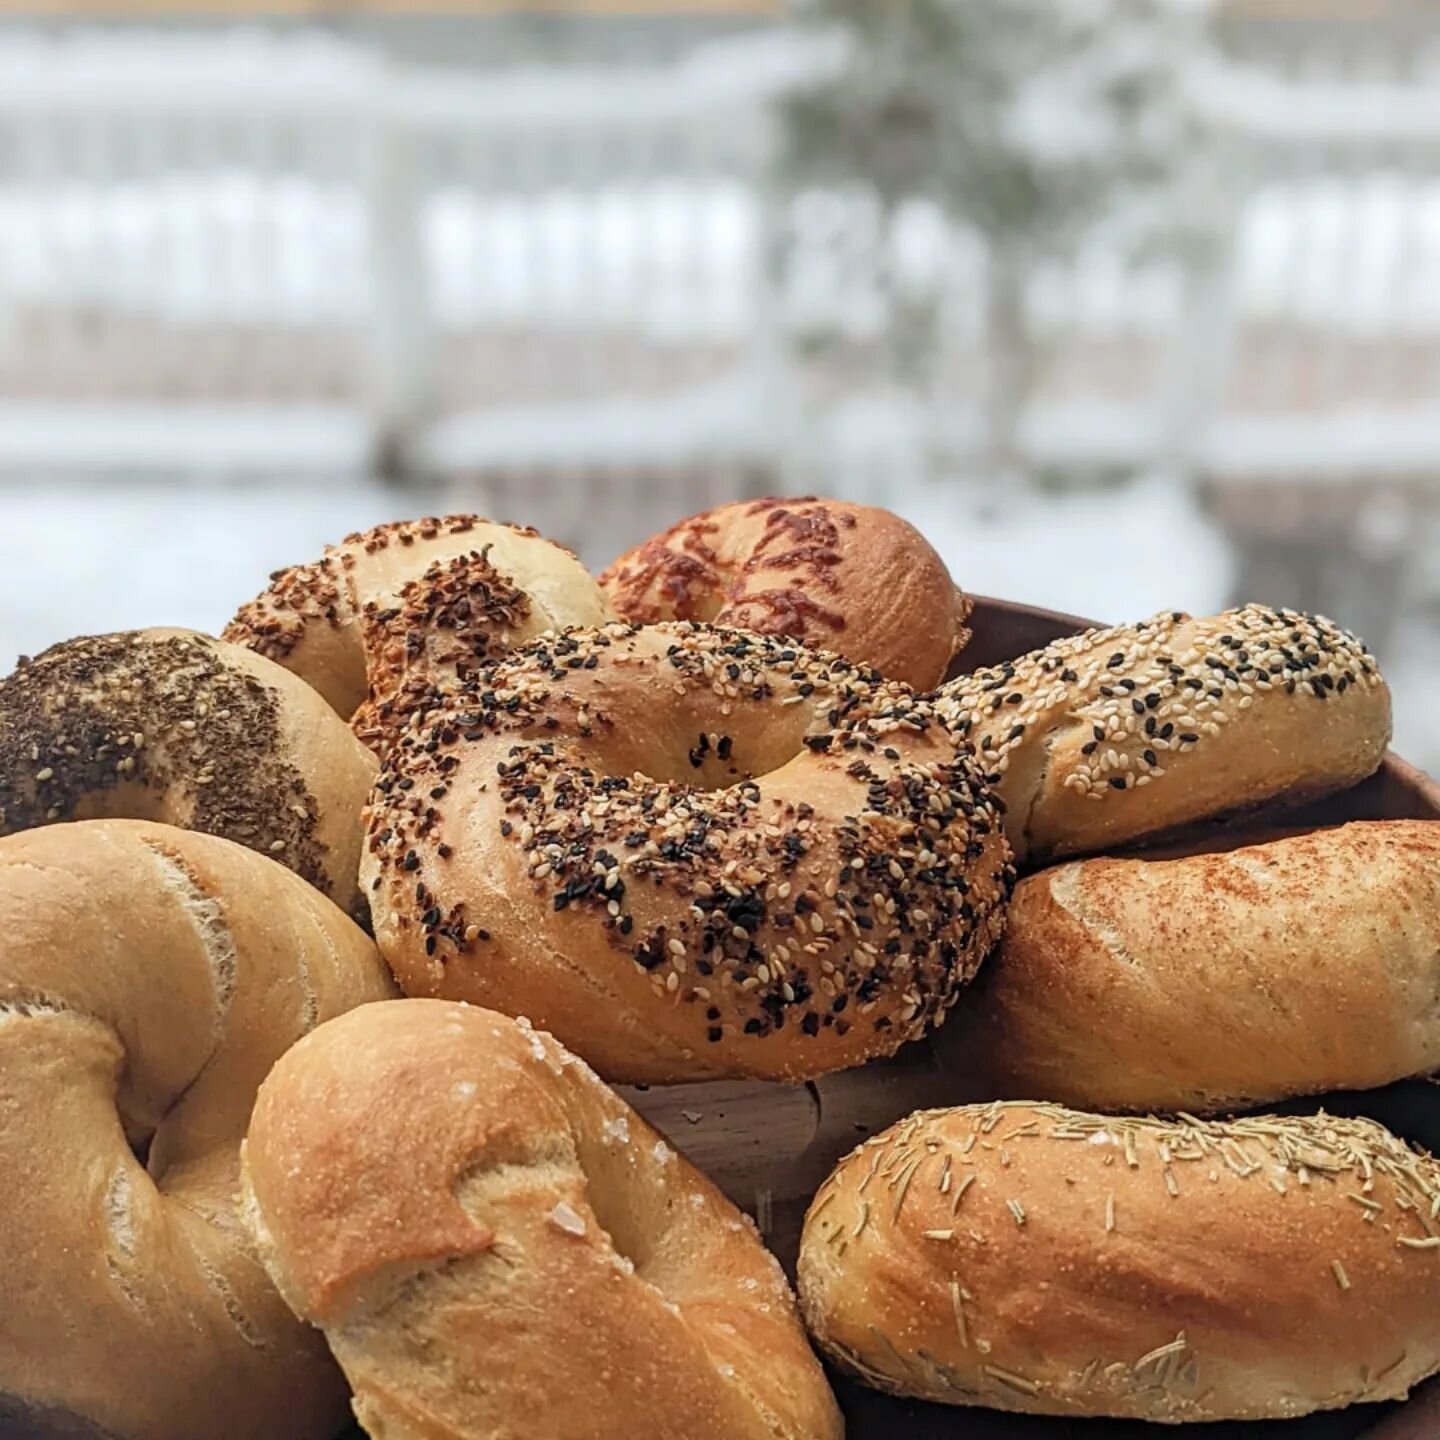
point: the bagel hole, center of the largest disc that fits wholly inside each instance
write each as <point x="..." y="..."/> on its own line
<point x="708" y="752"/>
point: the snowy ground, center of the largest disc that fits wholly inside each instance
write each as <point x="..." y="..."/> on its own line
<point x="90" y="556"/>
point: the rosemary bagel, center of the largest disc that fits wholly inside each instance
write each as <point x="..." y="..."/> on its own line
<point x="387" y="614"/>
<point x="496" y="1245"/>
<point x="852" y="579"/>
<point x="1027" y="1257"/>
<point x="172" y="726"/>
<point x="688" y="852"/>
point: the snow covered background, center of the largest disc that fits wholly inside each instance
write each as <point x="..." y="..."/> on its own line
<point x="238" y="268"/>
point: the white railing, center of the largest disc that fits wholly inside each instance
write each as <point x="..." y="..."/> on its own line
<point x="289" y="254"/>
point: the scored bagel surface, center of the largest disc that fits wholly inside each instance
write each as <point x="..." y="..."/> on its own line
<point x="149" y="978"/>
<point x="688" y="852"/>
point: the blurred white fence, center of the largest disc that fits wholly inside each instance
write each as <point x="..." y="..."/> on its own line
<point x="246" y="253"/>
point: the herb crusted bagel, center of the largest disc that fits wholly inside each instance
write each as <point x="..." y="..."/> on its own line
<point x="1027" y="1257"/>
<point x="688" y="852"/>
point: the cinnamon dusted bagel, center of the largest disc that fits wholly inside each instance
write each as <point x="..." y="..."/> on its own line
<point x="496" y="1245"/>
<point x="149" y="978"/>
<point x="171" y="725"/>
<point x="688" y="852"/>
<point x="385" y="615"/>
<point x="849" y="578"/>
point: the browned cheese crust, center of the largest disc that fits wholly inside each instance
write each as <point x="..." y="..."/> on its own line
<point x="688" y="852"/>
<point x="1116" y="734"/>
<point x="835" y="576"/>
<point x="173" y="726"/>
<point x="392" y="613"/>
<point x="149" y="978"/>
<point x="495" y="1244"/>
<point x="1220" y="981"/>
<point x="1026" y="1257"/>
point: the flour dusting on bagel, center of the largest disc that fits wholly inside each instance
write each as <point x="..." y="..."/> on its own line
<point x="688" y="852"/>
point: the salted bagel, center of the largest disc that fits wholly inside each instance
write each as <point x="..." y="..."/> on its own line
<point x="1027" y="1257"/>
<point x="170" y="725"/>
<point x="149" y="978"/>
<point x="688" y="852"/>
<point x="495" y="1244"/>
<point x="853" y="579"/>
<point x="385" y="615"/>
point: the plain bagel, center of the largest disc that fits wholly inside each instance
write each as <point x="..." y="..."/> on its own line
<point x="688" y="852"/>
<point x="386" y="615"/>
<point x="170" y="725"/>
<point x="1112" y="735"/>
<point x="495" y="1244"/>
<point x="852" y="579"/>
<point x="149" y="978"/>
<point x="1026" y="1257"/>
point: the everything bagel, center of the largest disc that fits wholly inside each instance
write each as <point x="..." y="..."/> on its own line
<point x="173" y="726"/>
<point x="688" y="852"/>
<point x="381" y="617"/>
<point x="852" y="579"/>
<point x="149" y="978"/>
<point x="495" y="1244"/>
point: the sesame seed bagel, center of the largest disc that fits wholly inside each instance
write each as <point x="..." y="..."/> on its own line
<point x="1116" y="734"/>
<point x="149" y="978"/>
<point x="383" y="617"/>
<point x="1031" y="1258"/>
<point x="496" y="1245"/>
<point x="853" y="579"/>
<point x="170" y="725"/>
<point x="688" y="852"/>
<point x="1216" y="982"/>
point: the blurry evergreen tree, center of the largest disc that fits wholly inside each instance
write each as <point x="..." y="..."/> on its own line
<point x="1027" y="123"/>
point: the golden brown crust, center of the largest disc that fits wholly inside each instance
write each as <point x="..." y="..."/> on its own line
<point x="835" y="576"/>
<point x="1027" y="1257"/>
<point x="149" y="978"/>
<point x="494" y="1243"/>
<point x="173" y="726"/>
<point x="1217" y="981"/>
<point x="1115" y="734"/>
<point x="689" y="852"/>
<point x="355" y="624"/>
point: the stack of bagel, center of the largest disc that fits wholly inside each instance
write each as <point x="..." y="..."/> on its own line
<point x="325" y="943"/>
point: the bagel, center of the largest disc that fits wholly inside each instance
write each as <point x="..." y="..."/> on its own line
<point x="687" y="852"/>
<point x="1216" y="982"/>
<point x="149" y="978"/>
<point x="495" y="1244"/>
<point x="172" y="726"/>
<point x="1026" y="1257"/>
<point x="1123" y="733"/>
<point x="851" y="579"/>
<point x="387" y="614"/>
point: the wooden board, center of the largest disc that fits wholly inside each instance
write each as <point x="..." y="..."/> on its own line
<point x="770" y="1146"/>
